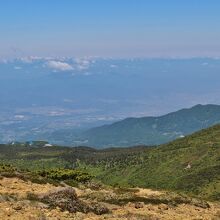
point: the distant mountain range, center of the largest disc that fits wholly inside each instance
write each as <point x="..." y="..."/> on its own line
<point x="66" y="95"/>
<point x="151" y="130"/>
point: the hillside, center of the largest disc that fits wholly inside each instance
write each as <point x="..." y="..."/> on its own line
<point x="190" y="164"/>
<point x="152" y="130"/>
<point x="178" y="180"/>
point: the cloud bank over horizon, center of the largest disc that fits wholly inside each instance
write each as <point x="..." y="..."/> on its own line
<point x="77" y="93"/>
<point x="59" y="66"/>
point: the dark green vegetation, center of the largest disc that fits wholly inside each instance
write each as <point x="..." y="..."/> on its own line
<point x="190" y="164"/>
<point x="152" y="130"/>
<point x="71" y="177"/>
<point x="65" y="174"/>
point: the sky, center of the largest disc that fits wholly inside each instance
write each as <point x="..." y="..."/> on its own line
<point x="110" y="28"/>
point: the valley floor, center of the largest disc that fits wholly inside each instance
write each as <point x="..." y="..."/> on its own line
<point x="15" y="204"/>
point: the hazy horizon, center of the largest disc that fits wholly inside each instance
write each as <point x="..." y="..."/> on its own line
<point x="110" y="28"/>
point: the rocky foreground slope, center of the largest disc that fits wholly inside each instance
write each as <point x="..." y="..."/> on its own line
<point x="21" y="199"/>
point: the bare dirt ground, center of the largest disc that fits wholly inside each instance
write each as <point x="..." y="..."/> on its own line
<point x="15" y="205"/>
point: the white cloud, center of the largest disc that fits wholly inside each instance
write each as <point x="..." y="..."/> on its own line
<point x="26" y="60"/>
<point x="30" y="59"/>
<point x="59" y="66"/>
<point x="82" y="64"/>
<point x="19" y="116"/>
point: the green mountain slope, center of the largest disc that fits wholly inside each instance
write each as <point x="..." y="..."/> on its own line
<point x="153" y="130"/>
<point x="190" y="164"/>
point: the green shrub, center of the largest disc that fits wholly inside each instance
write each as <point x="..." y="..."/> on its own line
<point x="65" y="174"/>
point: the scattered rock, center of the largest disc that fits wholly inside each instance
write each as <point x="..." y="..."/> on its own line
<point x="65" y="198"/>
<point x="139" y="205"/>
<point x="17" y="207"/>
<point x="98" y="209"/>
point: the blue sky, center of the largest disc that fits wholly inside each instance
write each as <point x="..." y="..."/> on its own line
<point x="112" y="28"/>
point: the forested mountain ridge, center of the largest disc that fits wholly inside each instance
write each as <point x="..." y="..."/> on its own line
<point x="153" y="130"/>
